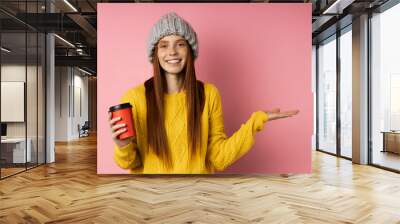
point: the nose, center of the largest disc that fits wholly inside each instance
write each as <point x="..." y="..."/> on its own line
<point x="172" y="51"/>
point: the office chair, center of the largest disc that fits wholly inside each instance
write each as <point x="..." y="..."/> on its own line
<point x="84" y="130"/>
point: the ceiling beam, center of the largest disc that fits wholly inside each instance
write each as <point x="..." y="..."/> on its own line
<point x="83" y="23"/>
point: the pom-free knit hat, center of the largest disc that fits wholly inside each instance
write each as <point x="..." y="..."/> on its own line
<point x="170" y="24"/>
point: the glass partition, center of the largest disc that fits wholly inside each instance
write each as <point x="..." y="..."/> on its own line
<point x="13" y="95"/>
<point x="22" y="88"/>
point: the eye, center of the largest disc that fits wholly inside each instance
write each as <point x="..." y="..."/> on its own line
<point x="181" y="44"/>
<point x="162" y="46"/>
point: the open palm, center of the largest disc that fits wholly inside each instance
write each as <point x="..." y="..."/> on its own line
<point x="276" y="113"/>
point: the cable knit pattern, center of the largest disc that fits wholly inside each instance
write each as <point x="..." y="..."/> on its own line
<point x="217" y="148"/>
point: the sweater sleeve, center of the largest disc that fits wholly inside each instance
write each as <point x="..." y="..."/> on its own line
<point x="223" y="151"/>
<point x="128" y="157"/>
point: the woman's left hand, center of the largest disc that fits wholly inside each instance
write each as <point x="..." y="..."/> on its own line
<point x="276" y="113"/>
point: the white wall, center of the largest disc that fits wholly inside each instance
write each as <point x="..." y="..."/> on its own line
<point x="71" y="93"/>
<point x="14" y="72"/>
<point x="80" y="102"/>
<point x="61" y="103"/>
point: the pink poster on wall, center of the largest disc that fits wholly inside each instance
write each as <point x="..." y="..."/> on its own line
<point x="252" y="56"/>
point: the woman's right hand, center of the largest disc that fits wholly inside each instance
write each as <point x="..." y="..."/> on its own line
<point x="116" y="130"/>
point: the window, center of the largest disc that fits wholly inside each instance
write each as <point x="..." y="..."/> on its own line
<point x="346" y="93"/>
<point x="385" y="88"/>
<point x="327" y="95"/>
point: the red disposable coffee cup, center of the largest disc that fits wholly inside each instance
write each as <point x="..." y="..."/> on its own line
<point x="125" y="112"/>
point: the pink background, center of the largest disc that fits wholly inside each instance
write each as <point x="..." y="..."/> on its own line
<point x="258" y="55"/>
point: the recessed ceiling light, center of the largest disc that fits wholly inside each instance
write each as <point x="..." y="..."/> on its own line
<point x="84" y="71"/>
<point x="70" y="5"/>
<point x="5" y="50"/>
<point x="337" y="7"/>
<point x="64" y="40"/>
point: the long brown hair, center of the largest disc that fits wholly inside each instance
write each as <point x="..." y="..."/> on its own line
<point x="195" y="97"/>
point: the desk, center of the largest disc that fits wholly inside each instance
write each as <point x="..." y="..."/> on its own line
<point x="391" y="141"/>
<point x="17" y="150"/>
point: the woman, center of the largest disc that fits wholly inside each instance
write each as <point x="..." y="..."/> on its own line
<point x="178" y="119"/>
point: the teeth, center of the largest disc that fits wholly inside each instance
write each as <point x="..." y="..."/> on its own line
<point x="173" y="61"/>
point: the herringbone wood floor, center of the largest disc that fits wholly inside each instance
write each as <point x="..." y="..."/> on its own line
<point x="70" y="191"/>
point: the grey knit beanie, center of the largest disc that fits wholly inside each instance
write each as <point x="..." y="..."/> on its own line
<point x="169" y="24"/>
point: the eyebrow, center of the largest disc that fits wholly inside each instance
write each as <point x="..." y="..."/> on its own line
<point x="164" y="41"/>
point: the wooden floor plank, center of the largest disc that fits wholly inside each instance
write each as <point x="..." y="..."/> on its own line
<point x="70" y="191"/>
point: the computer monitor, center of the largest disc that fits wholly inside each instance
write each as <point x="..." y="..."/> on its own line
<point x="3" y="129"/>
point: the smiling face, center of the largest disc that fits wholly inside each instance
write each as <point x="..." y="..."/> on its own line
<point x="172" y="53"/>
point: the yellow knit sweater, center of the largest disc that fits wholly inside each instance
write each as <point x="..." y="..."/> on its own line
<point x="216" y="148"/>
